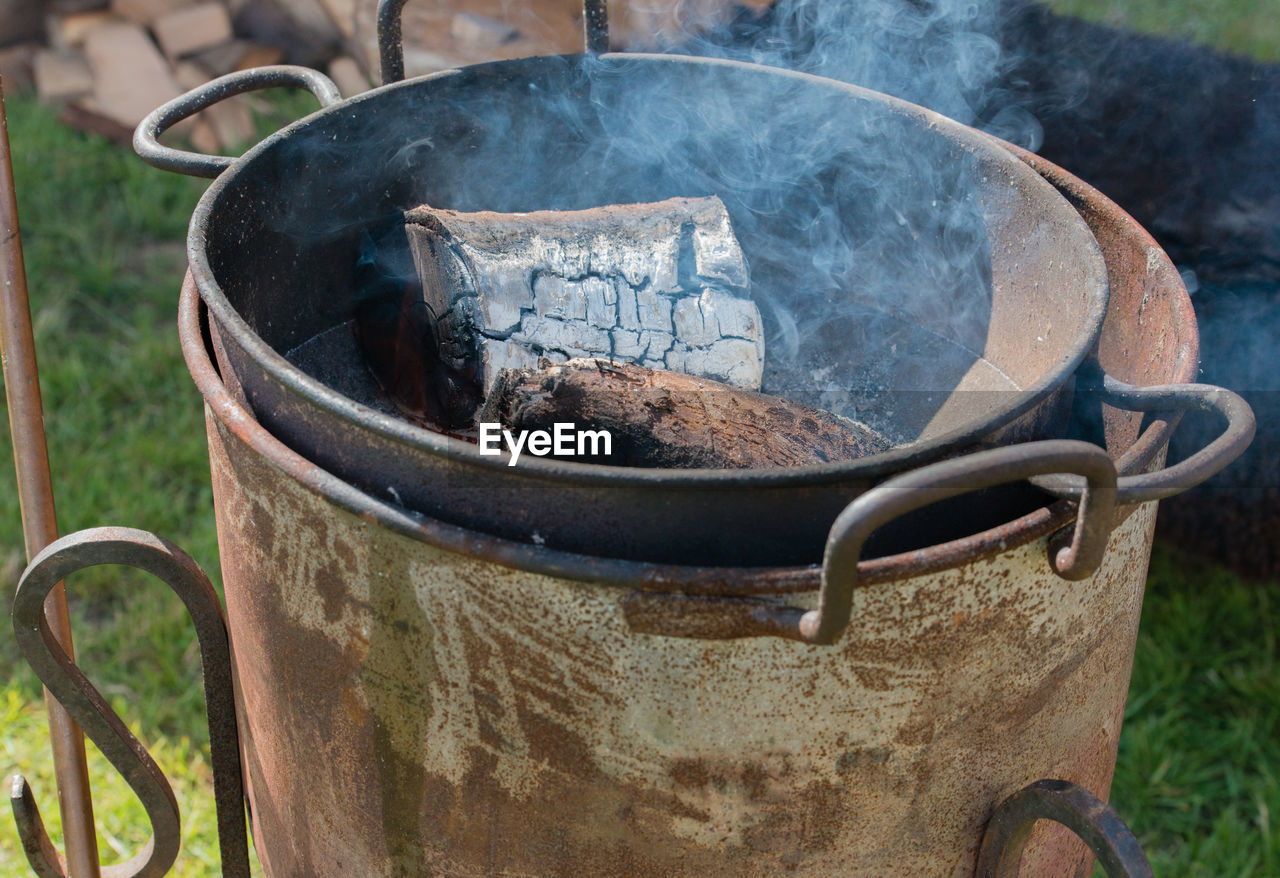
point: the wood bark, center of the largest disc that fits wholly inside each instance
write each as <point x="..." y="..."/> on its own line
<point x="668" y="419"/>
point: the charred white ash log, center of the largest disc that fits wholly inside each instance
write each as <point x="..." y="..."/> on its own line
<point x="666" y="419"/>
<point x="662" y="284"/>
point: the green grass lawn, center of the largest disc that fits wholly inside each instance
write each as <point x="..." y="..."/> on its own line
<point x="1199" y="756"/>
<point x="103" y="238"/>
<point x="1244" y="27"/>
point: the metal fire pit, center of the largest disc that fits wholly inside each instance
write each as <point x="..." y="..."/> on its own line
<point x="413" y="698"/>
<point x="490" y="707"/>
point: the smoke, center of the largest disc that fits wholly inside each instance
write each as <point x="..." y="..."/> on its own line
<point x="947" y="55"/>
<point x="868" y="228"/>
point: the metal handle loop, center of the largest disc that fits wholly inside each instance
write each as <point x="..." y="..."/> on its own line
<point x="595" y="23"/>
<point x="1180" y="477"/>
<point x="717" y="618"/>
<point x="951" y="478"/>
<point x="146" y="139"/>
<point x="1093" y="820"/>
<point x="72" y="689"/>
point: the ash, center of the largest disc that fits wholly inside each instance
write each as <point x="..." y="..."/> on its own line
<point x="664" y="285"/>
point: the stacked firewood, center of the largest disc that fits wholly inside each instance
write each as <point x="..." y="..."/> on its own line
<point x="108" y="63"/>
<point x="440" y="34"/>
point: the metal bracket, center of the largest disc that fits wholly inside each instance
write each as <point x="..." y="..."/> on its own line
<point x="595" y="26"/>
<point x="1097" y="824"/>
<point x="1170" y="481"/>
<point x="72" y="689"/>
<point x="710" y="617"/>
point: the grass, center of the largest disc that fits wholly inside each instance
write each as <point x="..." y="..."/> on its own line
<point x="103" y="240"/>
<point x="1199" y="756"/>
<point x="1244" y="27"/>
<point x="1198" y="774"/>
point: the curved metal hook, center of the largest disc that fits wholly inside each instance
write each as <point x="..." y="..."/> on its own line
<point x="1076" y="560"/>
<point x="1093" y="820"/>
<point x="595" y="27"/>
<point x="1073" y="555"/>
<point x="72" y="689"/>
<point x="41" y="854"/>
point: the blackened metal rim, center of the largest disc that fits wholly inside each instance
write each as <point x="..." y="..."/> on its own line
<point x="873" y="467"/>
<point x="669" y="578"/>
<point x="1084" y="197"/>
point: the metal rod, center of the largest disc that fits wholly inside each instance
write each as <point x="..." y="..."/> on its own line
<point x="595" y="25"/>
<point x="35" y="495"/>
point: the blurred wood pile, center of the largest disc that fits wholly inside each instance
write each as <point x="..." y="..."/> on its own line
<point x="108" y="63"/>
<point x="440" y="34"/>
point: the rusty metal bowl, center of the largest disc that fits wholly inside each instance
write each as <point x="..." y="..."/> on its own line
<point x="273" y="249"/>
<point x="977" y="358"/>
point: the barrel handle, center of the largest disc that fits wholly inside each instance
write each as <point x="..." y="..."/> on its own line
<point x="72" y="689"/>
<point x="595" y="24"/>
<point x="1093" y="820"/>
<point x="1205" y="463"/>
<point x="146" y="139"/>
<point x="712" y="617"/>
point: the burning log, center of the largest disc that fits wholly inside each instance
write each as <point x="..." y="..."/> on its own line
<point x="667" y="419"/>
<point x="663" y="284"/>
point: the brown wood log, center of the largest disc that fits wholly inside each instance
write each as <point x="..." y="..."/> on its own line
<point x="668" y="419"/>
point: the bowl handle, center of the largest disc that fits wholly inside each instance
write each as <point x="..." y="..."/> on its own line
<point x="1093" y="820"/>
<point x="681" y="615"/>
<point x="1205" y="463"/>
<point x="146" y="139"/>
<point x="72" y="689"/>
<point x="595" y="24"/>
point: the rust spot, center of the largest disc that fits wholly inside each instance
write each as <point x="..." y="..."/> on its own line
<point x="690" y="773"/>
<point x="916" y="732"/>
<point x="329" y="582"/>
<point x="851" y="760"/>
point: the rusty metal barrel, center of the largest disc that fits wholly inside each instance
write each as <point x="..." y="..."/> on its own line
<point x="418" y="699"/>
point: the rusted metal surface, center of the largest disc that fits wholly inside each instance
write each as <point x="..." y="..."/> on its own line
<point x="72" y="689"/>
<point x="39" y="521"/>
<point x="482" y="718"/>
<point x="42" y="856"/>
<point x="1092" y="819"/>
<point x="1149" y="335"/>
<point x="486" y="708"/>
<point x="478" y="719"/>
